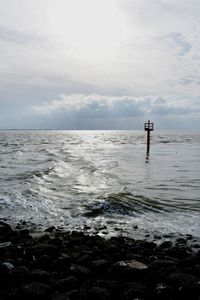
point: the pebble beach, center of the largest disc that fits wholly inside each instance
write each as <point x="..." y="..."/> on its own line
<point x="55" y="264"/>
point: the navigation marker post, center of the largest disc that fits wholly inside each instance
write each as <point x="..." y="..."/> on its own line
<point x="148" y="127"/>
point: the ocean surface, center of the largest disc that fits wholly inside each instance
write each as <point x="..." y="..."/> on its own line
<point x="102" y="181"/>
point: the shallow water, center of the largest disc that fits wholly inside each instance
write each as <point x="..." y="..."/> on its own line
<point x="97" y="178"/>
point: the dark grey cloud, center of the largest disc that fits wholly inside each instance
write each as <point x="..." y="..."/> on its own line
<point x="98" y="106"/>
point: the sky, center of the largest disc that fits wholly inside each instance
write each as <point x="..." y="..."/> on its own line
<point x="99" y="64"/>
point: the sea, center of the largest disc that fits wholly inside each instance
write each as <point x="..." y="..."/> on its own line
<point x="101" y="181"/>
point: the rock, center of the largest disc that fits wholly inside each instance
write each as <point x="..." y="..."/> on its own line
<point x="41" y="249"/>
<point x="21" y="274"/>
<point x="98" y="293"/>
<point x="5" y="245"/>
<point x="6" y="232"/>
<point x="6" y="267"/>
<point x="198" y="256"/>
<point x="181" y="241"/>
<point x="50" y="229"/>
<point x="34" y="290"/>
<point x="80" y="270"/>
<point x="24" y="232"/>
<point x="64" y="266"/>
<point x="5" y="228"/>
<point x="163" y="292"/>
<point x="74" y="294"/>
<point x="38" y="275"/>
<point x="58" y="296"/>
<point x="99" y="263"/>
<point x="189" y="261"/>
<point x="166" y="244"/>
<point x="164" y="263"/>
<point x="179" y="252"/>
<point x="44" y="261"/>
<point x="66" y="284"/>
<point x="184" y="280"/>
<point x="130" y="269"/>
<point x="187" y="286"/>
<point x="133" y="290"/>
<point x="62" y="262"/>
<point x="157" y="237"/>
<point x="131" y="264"/>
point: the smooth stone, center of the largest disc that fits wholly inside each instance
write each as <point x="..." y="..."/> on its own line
<point x="131" y="264"/>
<point x="6" y="267"/>
<point x="79" y="270"/>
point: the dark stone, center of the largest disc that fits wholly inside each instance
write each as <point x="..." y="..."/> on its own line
<point x="185" y="281"/>
<point x="64" y="266"/>
<point x="58" y="296"/>
<point x="44" y="261"/>
<point x="24" y="232"/>
<point x="50" y="229"/>
<point x="34" y="290"/>
<point x="98" y="293"/>
<point x="38" y="275"/>
<point x="177" y="252"/>
<point x="188" y="261"/>
<point x="21" y="274"/>
<point x="128" y="269"/>
<point x="163" y="263"/>
<point x="66" y="284"/>
<point x="181" y="241"/>
<point x="74" y="294"/>
<point x="198" y="255"/>
<point x="5" y="228"/>
<point x="80" y="270"/>
<point x="6" y="232"/>
<point x="41" y="249"/>
<point x="99" y="264"/>
<point x="157" y="237"/>
<point x="6" y="267"/>
<point x="61" y="263"/>
<point x="163" y="292"/>
<point x="166" y="244"/>
<point x="148" y="245"/>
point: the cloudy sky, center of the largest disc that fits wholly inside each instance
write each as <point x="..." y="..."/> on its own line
<point x="99" y="64"/>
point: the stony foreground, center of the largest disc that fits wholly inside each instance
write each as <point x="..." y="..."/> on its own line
<point x="72" y="265"/>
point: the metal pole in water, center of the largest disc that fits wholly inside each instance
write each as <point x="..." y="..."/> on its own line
<point x="148" y="127"/>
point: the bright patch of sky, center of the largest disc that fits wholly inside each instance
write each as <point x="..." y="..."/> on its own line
<point x="99" y="64"/>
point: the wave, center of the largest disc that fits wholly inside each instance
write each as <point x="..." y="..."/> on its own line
<point x="124" y="204"/>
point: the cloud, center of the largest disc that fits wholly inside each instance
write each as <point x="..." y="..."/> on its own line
<point x="95" y="52"/>
<point x="101" y="106"/>
<point x="177" y="40"/>
<point x="15" y="36"/>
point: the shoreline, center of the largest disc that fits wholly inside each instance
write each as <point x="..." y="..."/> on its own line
<point x="57" y="264"/>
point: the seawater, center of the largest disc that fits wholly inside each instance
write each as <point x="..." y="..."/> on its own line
<point x="102" y="179"/>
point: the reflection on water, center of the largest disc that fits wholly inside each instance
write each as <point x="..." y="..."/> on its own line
<point x="77" y="178"/>
<point x="147" y="158"/>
